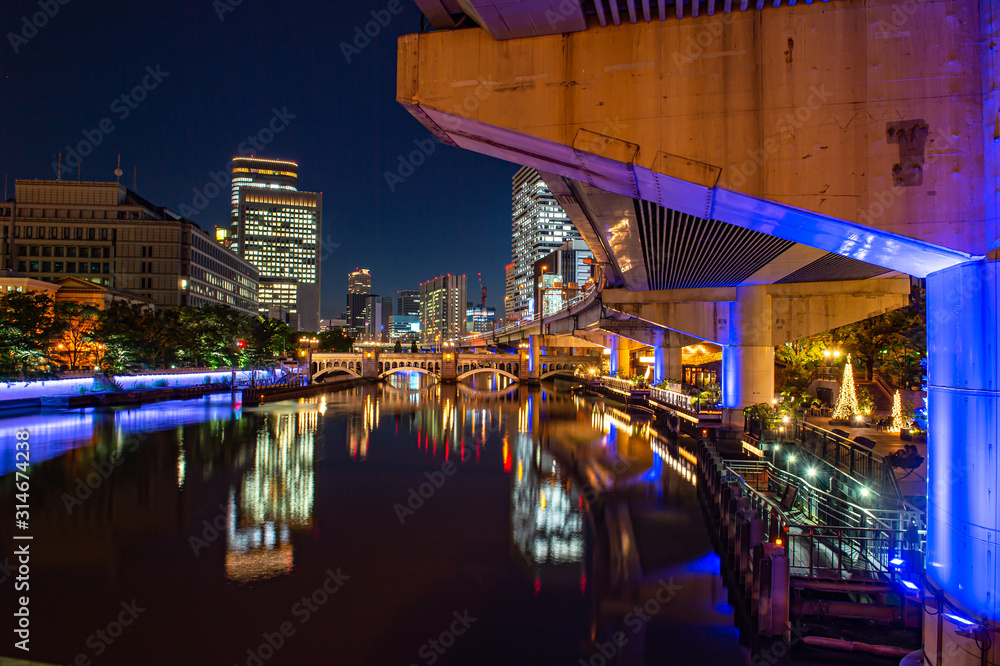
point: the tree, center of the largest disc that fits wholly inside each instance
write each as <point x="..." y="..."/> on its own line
<point x="121" y="336"/>
<point x="799" y="359"/>
<point x="413" y="347"/>
<point x="398" y="348"/>
<point x="78" y="323"/>
<point x="847" y="403"/>
<point x="335" y="341"/>
<point x="265" y="340"/>
<point x="28" y="323"/>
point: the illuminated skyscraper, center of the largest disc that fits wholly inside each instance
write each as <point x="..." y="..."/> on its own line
<point x="538" y="226"/>
<point x="442" y="309"/>
<point x="276" y="228"/>
<point x="359" y="287"/>
<point x="359" y="281"/>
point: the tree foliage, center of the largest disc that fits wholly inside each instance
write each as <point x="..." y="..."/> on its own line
<point x="335" y="341"/>
<point x="28" y="324"/>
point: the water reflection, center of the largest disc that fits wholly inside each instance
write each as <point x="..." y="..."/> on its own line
<point x="274" y="498"/>
<point x="224" y="511"/>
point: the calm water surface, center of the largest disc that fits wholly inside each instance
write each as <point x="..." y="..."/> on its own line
<point x="367" y="523"/>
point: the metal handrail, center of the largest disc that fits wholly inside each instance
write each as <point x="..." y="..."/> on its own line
<point x="849" y="550"/>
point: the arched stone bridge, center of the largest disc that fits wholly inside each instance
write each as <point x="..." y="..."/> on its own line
<point x="446" y="366"/>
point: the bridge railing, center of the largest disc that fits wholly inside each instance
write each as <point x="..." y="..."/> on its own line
<point x="689" y="404"/>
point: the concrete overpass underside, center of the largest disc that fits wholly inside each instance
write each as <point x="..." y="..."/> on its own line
<point x="749" y="177"/>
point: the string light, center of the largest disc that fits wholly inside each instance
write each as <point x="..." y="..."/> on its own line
<point x="847" y="402"/>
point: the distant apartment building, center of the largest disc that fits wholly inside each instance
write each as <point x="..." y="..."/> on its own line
<point x="509" y="297"/>
<point x="561" y="275"/>
<point x="479" y="318"/>
<point x="538" y="226"/>
<point x="442" y="309"/>
<point x="405" y="328"/>
<point x="106" y="234"/>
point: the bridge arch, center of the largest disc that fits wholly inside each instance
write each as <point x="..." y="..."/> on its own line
<point x="487" y="370"/>
<point x="330" y="372"/>
<point x="390" y="371"/>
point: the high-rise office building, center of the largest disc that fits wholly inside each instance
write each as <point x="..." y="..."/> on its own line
<point x="442" y="309"/>
<point x="377" y="322"/>
<point x="408" y="302"/>
<point x="105" y="233"/>
<point x="359" y="281"/>
<point x="539" y="226"/>
<point x="357" y="311"/>
<point x="359" y="287"/>
<point x="276" y="227"/>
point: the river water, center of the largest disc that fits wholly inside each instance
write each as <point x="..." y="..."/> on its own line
<point x="399" y="523"/>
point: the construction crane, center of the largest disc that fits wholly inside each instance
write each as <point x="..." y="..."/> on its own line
<point x="483" y="302"/>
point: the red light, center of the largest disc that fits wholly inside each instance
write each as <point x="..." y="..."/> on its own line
<point x="240" y="344"/>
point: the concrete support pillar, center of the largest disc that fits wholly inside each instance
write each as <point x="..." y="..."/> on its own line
<point x="963" y="470"/>
<point x="530" y="368"/>
<point x="449" y="364"/>
<point x="369" y="364"/>
<point x="668" y="363"/>
<point x="620" y="359"/>
<point x="748" y="358"/>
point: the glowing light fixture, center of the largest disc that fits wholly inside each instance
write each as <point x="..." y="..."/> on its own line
<point x="958" y="619"/>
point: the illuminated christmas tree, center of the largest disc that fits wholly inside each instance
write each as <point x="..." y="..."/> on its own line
<point x="897" y="414"/>
<point x="847" y="402"/>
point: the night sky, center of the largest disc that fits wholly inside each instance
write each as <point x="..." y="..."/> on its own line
<point x="220" y="81"/>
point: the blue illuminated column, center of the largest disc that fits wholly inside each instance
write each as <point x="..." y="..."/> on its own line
<point x="533" y="368"/>
<point x="667" y="362"/>
<point x="619" y="360"/>
<point x="748" y="358"/>
<point x="963" y="473"/>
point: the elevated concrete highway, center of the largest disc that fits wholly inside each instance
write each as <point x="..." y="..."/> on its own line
<point x="748" y="175"/>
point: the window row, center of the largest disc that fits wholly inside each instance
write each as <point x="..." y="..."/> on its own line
<point x="72" y="251"/>
<point x="67" y="233"/>
<point x="63" y="267"/>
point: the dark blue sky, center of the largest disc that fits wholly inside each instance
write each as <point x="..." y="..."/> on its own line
<point x="223" y="80"/>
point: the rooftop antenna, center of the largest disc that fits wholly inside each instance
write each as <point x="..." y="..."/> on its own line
<point x="118" y="170"/>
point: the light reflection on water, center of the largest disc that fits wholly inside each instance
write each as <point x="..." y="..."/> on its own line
<point x="297" y="486"/>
